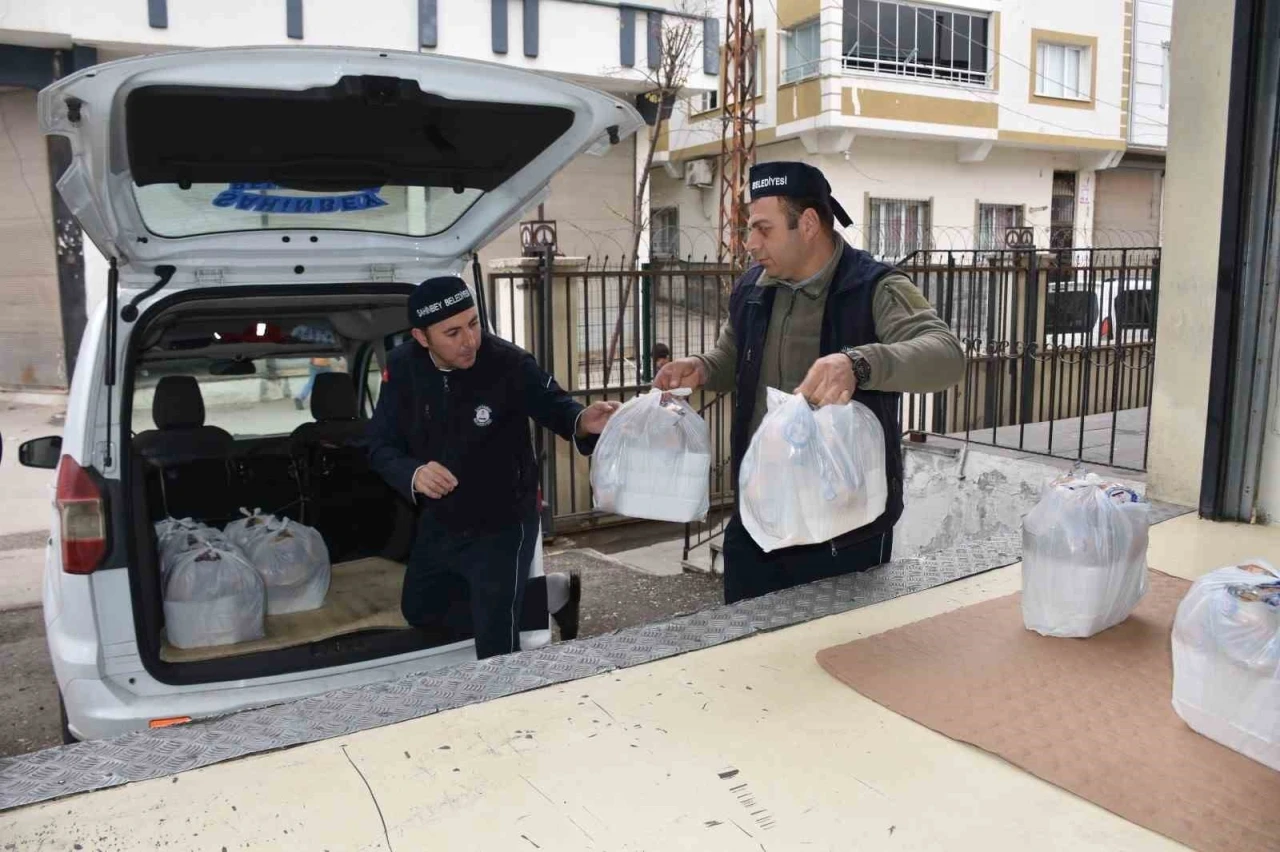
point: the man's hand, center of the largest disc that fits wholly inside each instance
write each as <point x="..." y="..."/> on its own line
<point x="434" y="480"/>
<point x="683" y="373"/>
<point x="830" y="381"/>
<point x="595" y="416"/>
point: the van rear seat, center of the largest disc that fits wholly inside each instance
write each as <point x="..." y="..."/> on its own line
<point x="319" y="475"/>
<point x="186" y="460"/>
<point x="351" y="505"/>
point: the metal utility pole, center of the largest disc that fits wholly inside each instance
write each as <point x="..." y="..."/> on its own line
<point x="738" y="130"/>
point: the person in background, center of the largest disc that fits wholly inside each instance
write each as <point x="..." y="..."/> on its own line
<point x="451" y="432"/>
<point x="315" y="368"/>
<point x="816" y="316"/>
<point x="661" y="355"/>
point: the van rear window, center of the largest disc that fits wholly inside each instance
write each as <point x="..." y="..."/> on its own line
<point x="263" y="397"/>
<point x="1134" y="310"/>
<point x="212" y="208"/>
<point x="1070" y="312"/>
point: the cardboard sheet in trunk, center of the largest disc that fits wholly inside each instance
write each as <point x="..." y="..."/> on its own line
<point x="1093" y="716"/>
<point x="363" y="595"/>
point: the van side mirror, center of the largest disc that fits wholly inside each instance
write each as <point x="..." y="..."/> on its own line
<point x="41" y="452"/>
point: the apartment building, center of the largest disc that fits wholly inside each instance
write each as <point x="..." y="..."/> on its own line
<point x="48" y="285"/>
<point x="942" y="124"/>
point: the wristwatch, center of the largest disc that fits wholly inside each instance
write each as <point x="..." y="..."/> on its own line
<point x="861" y="366"/>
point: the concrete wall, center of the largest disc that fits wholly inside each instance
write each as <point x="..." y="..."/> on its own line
<point x="1102" y="19"/>
<point x="1193" y="208"/>
<point x="31" y="351"/>
<point x="1152" y="27"/>
<point x="909" y="169"/>
<point x="590" y="201"/>
<point x="463" y="29"/>
<point x="1019" y="112"/>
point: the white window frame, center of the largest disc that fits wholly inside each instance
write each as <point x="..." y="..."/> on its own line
<point x="794" y="71"/>
<point x="707" y="101"/>
<point x="1053" y="80"/>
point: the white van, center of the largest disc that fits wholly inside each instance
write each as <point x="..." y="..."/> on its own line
<point x="265" y="213"/>
<point x="1099" y="312"/>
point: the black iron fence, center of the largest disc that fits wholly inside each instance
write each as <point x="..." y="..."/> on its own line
<point x="1060" y="348"/>
<point x="594" y="325"/>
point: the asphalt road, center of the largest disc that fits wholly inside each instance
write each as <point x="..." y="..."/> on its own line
<point x="29" y="699"/>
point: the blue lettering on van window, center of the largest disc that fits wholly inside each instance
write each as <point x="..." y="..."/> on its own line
<point x="259" y="198"/>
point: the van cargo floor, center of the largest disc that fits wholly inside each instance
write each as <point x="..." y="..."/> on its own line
<point x="363" y="595"/>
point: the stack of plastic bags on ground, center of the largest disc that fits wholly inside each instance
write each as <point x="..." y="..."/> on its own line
<point x="1084" y="557"/>
<point x="218" y="586"/>
<point x="809" y="476"/>
<point x="212" y="595"/>
<point x="292" y="559"/>
<point x="1226" y="659"/>
<point x="653" y="461"/>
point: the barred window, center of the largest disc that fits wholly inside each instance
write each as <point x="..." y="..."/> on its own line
<point x="664" y="233"/>
<point x="912" y="40"/>
<point x="993" y="221"/>
<point x="898" y="227"/>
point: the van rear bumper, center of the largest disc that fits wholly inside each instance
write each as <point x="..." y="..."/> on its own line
<point x="98" y="709"/>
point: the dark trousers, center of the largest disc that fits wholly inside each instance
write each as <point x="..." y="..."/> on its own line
<point x="490" y="571"/>
<point x="749" y="572"/>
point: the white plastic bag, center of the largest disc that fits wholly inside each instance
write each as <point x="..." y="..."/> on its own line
<point x="294" y="561"/>
<point x="246" y="531"/>
<point x="1226" y="659"/>
<point x="653" y="461"/>
<point x="177" y="537"/>
<point x="809" y="476"/>
<point x="1084" y="557"/>
<point x="212" y="596"/>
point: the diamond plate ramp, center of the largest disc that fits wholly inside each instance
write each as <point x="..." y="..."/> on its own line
<point x="100" y="764"/>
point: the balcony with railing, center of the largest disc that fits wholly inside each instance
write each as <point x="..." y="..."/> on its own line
<point x="912" y="40"/>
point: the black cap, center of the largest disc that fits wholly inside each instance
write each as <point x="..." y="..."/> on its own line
<point x="437" y="299"/>
<point x="795" y="180"/>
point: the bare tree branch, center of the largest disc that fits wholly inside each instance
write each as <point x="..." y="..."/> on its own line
<point x="680" y="47"/>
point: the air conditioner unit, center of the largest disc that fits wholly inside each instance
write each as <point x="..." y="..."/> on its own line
<point x="699" y="173"/>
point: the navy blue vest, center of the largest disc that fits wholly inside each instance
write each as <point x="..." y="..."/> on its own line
<point x="848" y="320"/>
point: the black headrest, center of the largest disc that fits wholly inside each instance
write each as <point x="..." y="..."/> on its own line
<point x="333" y="397"/>
<point x="178" y="403"/>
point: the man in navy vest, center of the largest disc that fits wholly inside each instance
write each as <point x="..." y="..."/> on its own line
<point x="818" y="317"/>
<point x="451" y="433"/>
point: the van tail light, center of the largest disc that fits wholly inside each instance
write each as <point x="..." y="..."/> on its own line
<point x="1106" y="328"/>
<point x="83" y="518"/>
<point x="386" y="374"/>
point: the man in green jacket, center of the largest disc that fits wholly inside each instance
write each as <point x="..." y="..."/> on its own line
<point x="818" y="317"/>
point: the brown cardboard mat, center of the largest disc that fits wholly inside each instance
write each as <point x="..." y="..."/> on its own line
<point x="364" y="594"/>
<point x="1092" y="716"/>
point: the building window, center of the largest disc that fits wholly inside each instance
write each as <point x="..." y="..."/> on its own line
<point x="993" y="221"/>
<point x="910" y="40"/>
<point x="1063" y="71"/>
<point x="802" y="52"/>
<point x="706" y="101"/>
<point x="664" y="233"/>
<point x="755" y="73"/>
<point x="897" y="227"/>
